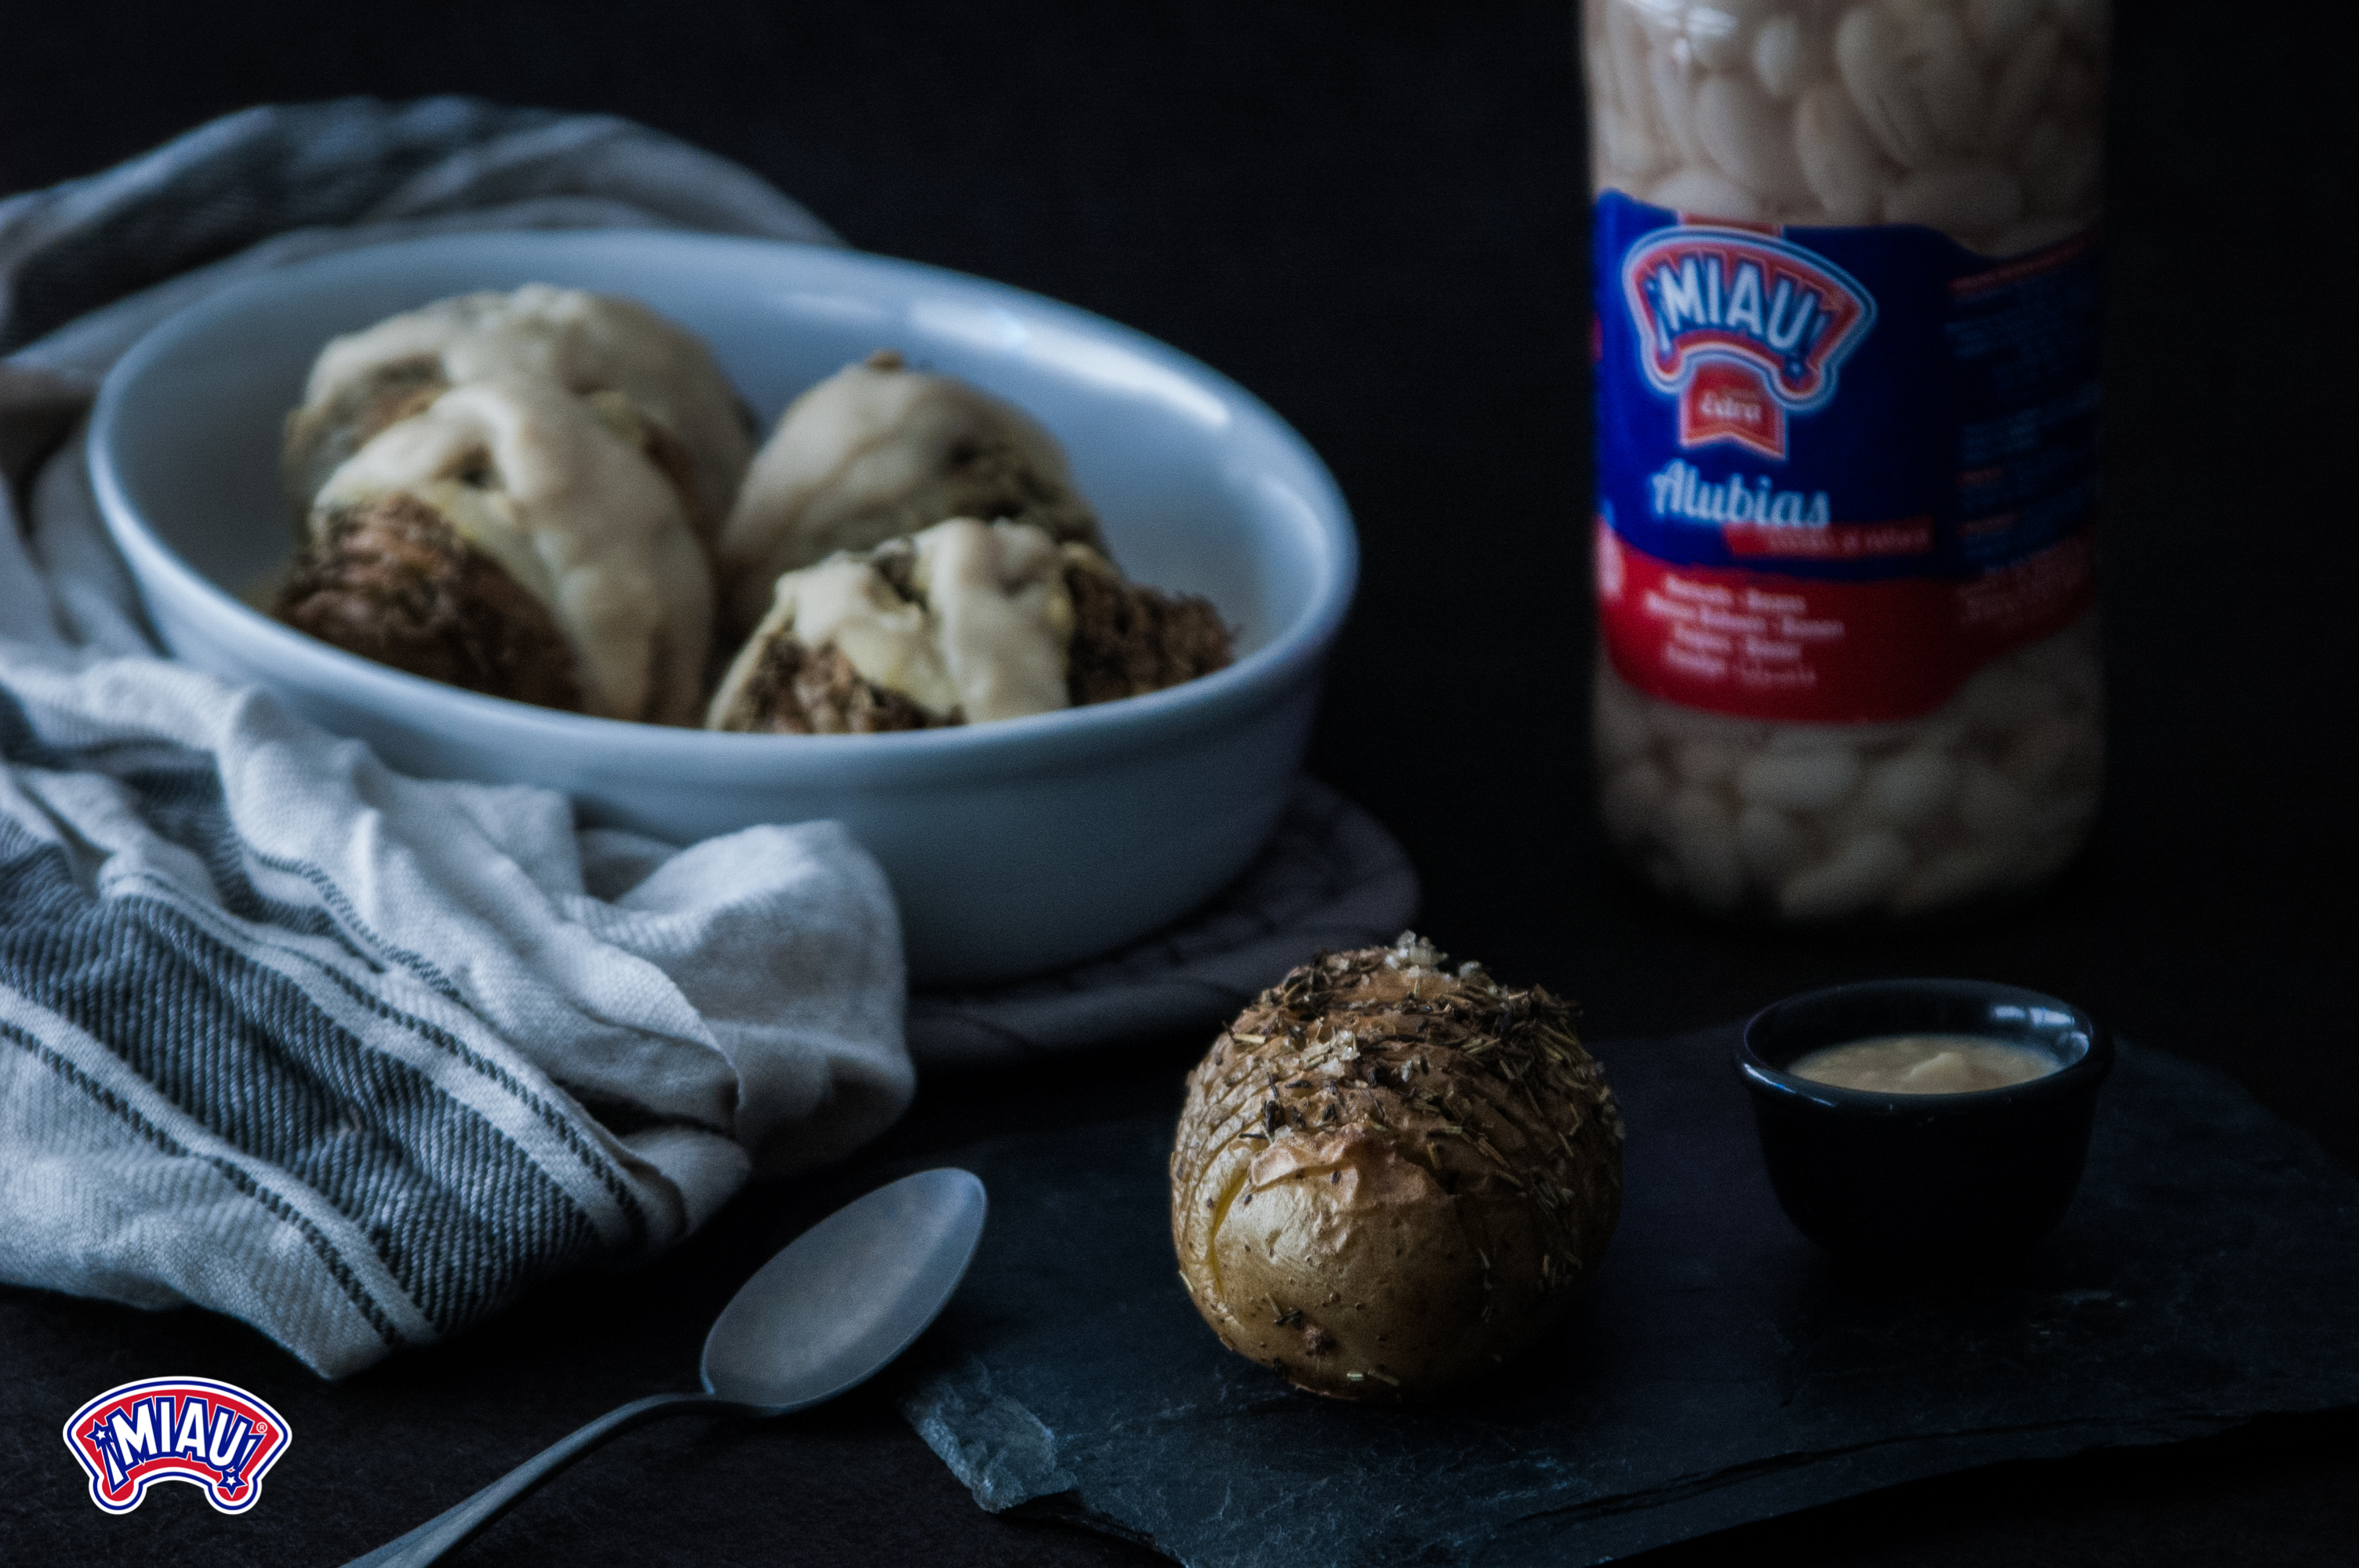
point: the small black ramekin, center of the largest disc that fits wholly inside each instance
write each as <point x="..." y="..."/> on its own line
<point x="1925" y="1180"/>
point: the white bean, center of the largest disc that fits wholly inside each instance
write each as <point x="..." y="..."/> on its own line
<point x="1909" y="12"/>
<point x="2022" y="83"/>
<point x="2061" y="656"/>
<point x="2083" y="768"/>
<point x="1995" y="25"/>
<point x="2001" y="696"/>
<point x="1596" y="55"/>
<point x="1705" y="761"/>
<point x="1621" y="730"/>
<point x="1674" y="722"/>
<point x="2071" y="665"/>
<point x="1958" y="198"/>
<point x="1704" y="841"/>
<point x="1662" y="20"/>
<point x="1868" y="55"/>
<point x="1748" y="135"/>
<point x="1625" y="147"/>
<point x="1992" y="809"/>
<point x="1633" y="799"/>
<point x="1803" y="737"/>
<point x="1944" y="730"/>
<point x="1946" y="879"/>
<point x="1862" y="870"/>
<point x="1706" y="192"/>
<point x="1671" y="71"/>
<point x="1777" y="57"/>
<point x="1910" y="788"/>
<point x="1716" y="33"/>
<point x="1838" y="154"/>
<point x="1771" y="845"/>
<point x="1943" y="67"/>
<point x="1626" y="52"/>
<point x="1799" y="781"/>
<point x="2039" y="749"/>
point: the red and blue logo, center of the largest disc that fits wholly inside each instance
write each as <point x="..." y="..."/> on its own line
<point x="215" y="1436"/>
<point x="1743" y="329"/>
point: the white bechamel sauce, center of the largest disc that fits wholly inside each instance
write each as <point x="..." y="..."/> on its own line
<point x="846" y="601"/>
<point x="983" y="632"/>
<point x="997" y="593"/>
<point x="586" y="342"/>
<point x="554" y="489"/>
<point x="863" y="457"/>
<point x="1924" y="1063"/>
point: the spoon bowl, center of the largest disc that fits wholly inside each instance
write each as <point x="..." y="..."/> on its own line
<point x="827" y="1313"/>
<point x="849" y="1296"/>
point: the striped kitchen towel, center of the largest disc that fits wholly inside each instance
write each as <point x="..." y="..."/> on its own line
<point x="354" y="1056"/>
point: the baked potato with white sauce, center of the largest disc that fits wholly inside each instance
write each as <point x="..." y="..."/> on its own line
<point x="695" y="428"/>
<point x="513" y="538"/>
<point x="879" y="451"/>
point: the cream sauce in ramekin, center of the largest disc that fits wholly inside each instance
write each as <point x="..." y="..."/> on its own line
<point x="1924" y="1063"/>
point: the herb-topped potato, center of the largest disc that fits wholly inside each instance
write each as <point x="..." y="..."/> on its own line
<point x="963" y="622"/>
<point x="877" y="451"/>
<point x="695" y="427"/>
<point x="514" y="539"/>
<point x="1392" y="1176"/>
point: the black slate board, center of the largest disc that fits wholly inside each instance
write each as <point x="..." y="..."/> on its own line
<point x="1724" y="1370"/>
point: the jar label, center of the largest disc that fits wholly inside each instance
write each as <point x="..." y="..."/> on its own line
<point x="1838" y="469"/>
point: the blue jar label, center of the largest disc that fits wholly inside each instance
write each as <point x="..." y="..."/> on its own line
<point x="1839" y="468"/>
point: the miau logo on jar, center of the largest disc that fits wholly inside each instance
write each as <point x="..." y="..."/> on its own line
<point x="215" y="1436"/>
<point x="1743" y="329"/>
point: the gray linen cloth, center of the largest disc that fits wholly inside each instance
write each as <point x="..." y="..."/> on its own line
<point x="354" y="1056"/>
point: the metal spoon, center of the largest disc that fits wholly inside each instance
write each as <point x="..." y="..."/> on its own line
<point x="844" y="1299"/>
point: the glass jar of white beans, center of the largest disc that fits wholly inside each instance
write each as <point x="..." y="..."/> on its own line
<point x="1846" y="343"/>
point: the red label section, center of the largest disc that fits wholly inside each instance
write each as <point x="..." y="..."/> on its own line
<point x="1763" y="645"/>
<point x="1723" y="402"/>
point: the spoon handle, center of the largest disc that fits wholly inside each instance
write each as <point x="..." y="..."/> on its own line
<point x="438" y="1535"/>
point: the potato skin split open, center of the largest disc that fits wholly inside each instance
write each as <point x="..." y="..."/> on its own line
<point x="1392" y="1177"/>
<point x="392" y="581"/>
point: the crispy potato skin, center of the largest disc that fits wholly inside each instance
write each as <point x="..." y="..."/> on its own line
<point x="394" y="583"/>
<point x="1129" y="639"/>
<point x="1391" y="1178"/>
<point x="796" y="691"/>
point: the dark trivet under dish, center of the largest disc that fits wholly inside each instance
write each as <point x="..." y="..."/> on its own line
<point x="1723" y="1370"/>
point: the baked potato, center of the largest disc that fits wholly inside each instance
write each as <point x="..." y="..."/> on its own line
<point x="1391" y="1176"/>
<point x="962" y="623"/>
<point x="513" y="538"/>
<point x="696" y="428"/>
<point x="877" y="451"/>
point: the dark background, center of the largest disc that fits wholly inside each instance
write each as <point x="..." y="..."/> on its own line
<point x="1378" y="223"/>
